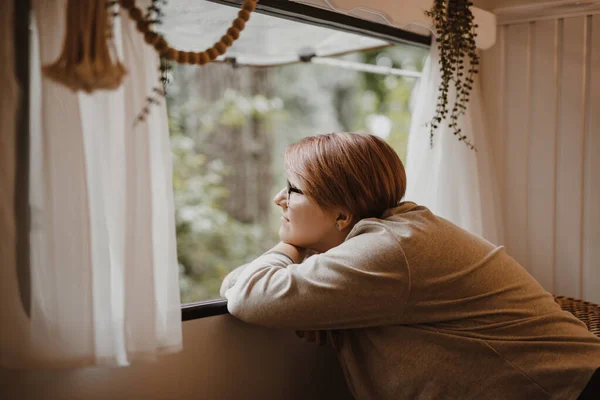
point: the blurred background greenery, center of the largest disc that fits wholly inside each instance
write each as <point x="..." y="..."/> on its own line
<point x="229" y="128"/>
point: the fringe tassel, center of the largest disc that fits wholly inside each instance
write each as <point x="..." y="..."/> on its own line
<point x="86" y="61"/>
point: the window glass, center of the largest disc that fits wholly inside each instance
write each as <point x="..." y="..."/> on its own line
<point x="229" y="128"/>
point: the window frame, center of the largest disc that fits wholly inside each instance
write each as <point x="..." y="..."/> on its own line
<point x="318" y="17"/>
<point x="203" y="309"/>
<point x="329" y="19"/>
<point x="277" y="8"/>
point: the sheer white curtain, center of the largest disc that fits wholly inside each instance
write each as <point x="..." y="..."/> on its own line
<point x="104" y="272"/>
<point x="454" y="182"/>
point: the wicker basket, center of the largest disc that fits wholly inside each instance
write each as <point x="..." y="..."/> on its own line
<point x="585" y="311"/>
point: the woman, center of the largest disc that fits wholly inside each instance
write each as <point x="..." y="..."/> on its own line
<point x="425" y="309"/>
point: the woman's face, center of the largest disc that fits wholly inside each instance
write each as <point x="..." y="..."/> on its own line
<point x="304" y="223"/>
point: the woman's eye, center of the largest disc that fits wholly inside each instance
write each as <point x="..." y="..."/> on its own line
<point x="292" y="189"/>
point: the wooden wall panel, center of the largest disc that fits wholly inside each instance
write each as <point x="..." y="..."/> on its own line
<point x="569" y="157"/>
<point x="542" y="153"/>
<point x="516" y="117"/>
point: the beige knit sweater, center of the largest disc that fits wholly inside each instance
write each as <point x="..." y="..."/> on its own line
<point x="426" y="310"/>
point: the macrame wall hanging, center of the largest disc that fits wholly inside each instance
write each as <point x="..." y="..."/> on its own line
<point x="88" y="60"/>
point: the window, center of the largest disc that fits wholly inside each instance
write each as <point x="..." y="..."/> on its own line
<point x="229" y="128"/>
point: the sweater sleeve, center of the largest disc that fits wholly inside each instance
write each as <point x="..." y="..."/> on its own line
<point x="230" y="279"/>
<point x="362" y="282"/>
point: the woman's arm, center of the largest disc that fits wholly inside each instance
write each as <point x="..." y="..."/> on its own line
<point x="295" y="255"/>
<point x="362" y="282"/>
<point x="230" y="279"/>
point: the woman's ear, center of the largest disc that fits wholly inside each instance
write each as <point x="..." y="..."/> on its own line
<point x="343" y="220"/>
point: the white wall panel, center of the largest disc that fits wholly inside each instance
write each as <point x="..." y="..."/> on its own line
<point x="591" y="181"/>
<point x="491" y="91"/>
<point x="516" y="115"/>
<point x="542" y="153"/>
<point x="569" y="160"/>
<point x="541" y="90"/>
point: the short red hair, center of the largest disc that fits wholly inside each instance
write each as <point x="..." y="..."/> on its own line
<point x="358" y="172"/>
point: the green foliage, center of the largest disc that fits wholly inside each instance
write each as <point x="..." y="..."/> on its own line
<point x="209" y="242"/>
<point x="234" y="108"/>
<point x="387" y="95"/>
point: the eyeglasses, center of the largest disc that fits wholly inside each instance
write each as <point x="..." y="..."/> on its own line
<point x="291" y="189"/>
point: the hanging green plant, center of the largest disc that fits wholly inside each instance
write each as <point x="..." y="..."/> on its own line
<point x="154" y="18"/>
<point x="455" y="31"/>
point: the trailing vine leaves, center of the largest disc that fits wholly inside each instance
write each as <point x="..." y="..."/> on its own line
<point x="456" y="34"/>
<point x="158" y="92"/>
<point x="154" y="17"/>
<point x="154" y="13"/>
<point x="113" y="12"/>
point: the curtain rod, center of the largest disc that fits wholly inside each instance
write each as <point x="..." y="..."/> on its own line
<point x="333" y="62"/>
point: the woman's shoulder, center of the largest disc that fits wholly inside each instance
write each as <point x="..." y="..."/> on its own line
<point x="402" y="208"/>
<point x="407" y="223"/>
<point x="394" y="221"/>
<point x="402" y="216"/>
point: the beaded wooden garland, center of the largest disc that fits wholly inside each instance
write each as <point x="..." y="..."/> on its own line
<point x="189" y="57"/>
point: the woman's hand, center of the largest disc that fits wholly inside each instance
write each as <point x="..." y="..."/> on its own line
<point x="317" y="337"/>
<point x="297" y="254"/>
<point x="321" y="337"/>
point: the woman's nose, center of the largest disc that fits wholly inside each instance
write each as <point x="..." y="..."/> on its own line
<point x="280" y="198"/>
